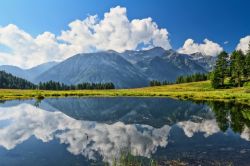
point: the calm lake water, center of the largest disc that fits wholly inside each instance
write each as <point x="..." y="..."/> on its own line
<point x="91" y="131"/>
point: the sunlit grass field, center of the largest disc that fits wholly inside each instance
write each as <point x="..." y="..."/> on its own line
<point x="194" y="91"/>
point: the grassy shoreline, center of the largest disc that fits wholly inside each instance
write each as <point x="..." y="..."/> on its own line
<point x="189" y="91"/>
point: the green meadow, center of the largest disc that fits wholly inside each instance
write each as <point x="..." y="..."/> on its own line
<point x="187" y="91"/>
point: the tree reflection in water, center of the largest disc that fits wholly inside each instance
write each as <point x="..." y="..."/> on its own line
<point x="231" y="115"/>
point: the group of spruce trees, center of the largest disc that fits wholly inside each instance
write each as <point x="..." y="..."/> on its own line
<point x="159" y="83"/>
<point x="235" y="67"/>
<point x="183" y="79"/>
<point x="51" y="85"/>
<point x="192" y="78"/>
<point x="8" y="81"/>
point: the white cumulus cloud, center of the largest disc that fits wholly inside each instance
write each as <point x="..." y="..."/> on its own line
<point x="27" y="51"/>
<point x="243" y="44"/>
<point x="114" y="32"/>
<point x="207" y="48"/>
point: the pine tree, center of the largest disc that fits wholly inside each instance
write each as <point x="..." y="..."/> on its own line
<point x="220" y="71"/>
<point x="237" y="67"/>
<point x="215" y="81"/>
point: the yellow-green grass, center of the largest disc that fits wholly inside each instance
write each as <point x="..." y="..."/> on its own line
<point x="194" y="91"/>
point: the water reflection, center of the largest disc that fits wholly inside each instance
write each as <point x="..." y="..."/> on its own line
<point x="208" y="127"/>
<point x="231" y="115"/>
<point x="94" y="127"/>
<point x="82" y="137"/>
<point x="155" y="112"/>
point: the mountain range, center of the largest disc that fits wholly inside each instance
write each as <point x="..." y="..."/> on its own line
<point x="129" y="69"/>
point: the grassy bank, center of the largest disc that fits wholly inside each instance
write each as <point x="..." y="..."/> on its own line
<point x="194" y="91"/>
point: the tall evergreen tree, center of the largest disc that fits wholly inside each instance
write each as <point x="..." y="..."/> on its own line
<point x="237" y="67"/>
<point x="220" y="71"/>
<point x="247" y="66"/>
<point x="215" y="81"/>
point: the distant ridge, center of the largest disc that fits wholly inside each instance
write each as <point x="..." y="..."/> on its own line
<point x="28" y="74"/>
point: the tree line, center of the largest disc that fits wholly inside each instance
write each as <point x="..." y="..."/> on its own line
<point x="183" y="79"/>
<point x="192" y="78"/>
<point x="51" y="85"/>
<point x="159" y="83"/>
<point x="235" y="68"/>
<point x="8" y="81"/>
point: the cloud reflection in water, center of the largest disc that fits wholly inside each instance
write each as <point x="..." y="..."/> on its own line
<point x="82" y="137"/>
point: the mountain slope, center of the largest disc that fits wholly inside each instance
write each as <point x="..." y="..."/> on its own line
<point x="144" y="55"/>
<point x="96" y="67"/>
<point x="208" y="62"/>
<point x="28" y="74"/>
<point x="16" y="71"/>
<point x="159" y="64"/>
<point x="37" y="70"/>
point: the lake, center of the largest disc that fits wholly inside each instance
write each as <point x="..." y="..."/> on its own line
<point x="94" y="131"/>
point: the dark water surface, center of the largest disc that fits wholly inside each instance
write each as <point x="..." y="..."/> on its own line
<point x="91" y="131"/>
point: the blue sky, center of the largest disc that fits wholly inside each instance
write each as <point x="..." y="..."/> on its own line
<point x="217" y="20"/>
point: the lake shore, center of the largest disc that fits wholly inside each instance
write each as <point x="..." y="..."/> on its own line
<point x="188" y="91"/>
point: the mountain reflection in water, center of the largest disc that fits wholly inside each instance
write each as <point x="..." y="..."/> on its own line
<point x="103" y="127"/>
